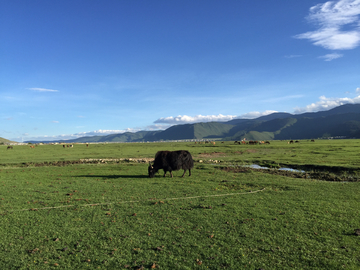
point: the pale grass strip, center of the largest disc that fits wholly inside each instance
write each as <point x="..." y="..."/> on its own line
<point x="168" y="199"/>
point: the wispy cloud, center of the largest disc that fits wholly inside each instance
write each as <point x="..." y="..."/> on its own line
<point x="43" y="90"/>
<point x="327" y="103"/>
<point x="292" y="56"/>
<point x="331" y="56"/>
<point x="183" y="119"/>
<point x="99" y="132"/>
<point x="331" y="17"/>
<point x="281" y="99"/>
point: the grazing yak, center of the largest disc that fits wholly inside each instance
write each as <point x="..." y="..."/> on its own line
<point x="171" y="161"/>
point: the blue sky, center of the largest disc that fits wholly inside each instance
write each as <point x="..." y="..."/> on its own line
<point x="77" y="68"/>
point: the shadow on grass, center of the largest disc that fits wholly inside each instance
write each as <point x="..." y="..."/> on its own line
<point x="113" y="176"/>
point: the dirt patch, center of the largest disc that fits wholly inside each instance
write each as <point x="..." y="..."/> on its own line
<point x="105" y="160"/>
<point x="87" y="161"/>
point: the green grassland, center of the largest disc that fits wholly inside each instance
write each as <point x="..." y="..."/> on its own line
<point x="343" y="154"/>
<point x="57" y="213"/>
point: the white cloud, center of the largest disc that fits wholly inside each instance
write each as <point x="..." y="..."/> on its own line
<point x="183" y="119"/>
<point x="157" y="127"/>
<point x="102" y="132"/>
<point x="357" y="90"/>
<point x="43" y="90"/>
<point x="326" y="104"/>
<point x="331" y="17"/>
<point x="331" y="56"/>
<point x="252" y="115"/>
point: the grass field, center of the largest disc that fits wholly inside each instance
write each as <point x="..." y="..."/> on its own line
<point x="57" y="213"/>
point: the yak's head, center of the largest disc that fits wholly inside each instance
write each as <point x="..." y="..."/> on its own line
<point x="151" y="170"/>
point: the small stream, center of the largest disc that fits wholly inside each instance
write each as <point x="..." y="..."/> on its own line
<point x="255" y="166"/>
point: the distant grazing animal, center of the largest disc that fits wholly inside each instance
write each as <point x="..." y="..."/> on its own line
<point x="64" y="146"/>
<point x="171" y="161"/>
<point x="313" y="140"/>
<point x="296" y="141"/>
<point x="267" y="142"/>
<point x="9" y="147"/>
<point x="31" y="146"/>
<point x="71" y="145"/>
<point x="291" y="141"/>
<point x="87" y="145"/>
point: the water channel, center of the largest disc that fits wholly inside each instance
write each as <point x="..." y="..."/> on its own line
<point x="255" y="166"/>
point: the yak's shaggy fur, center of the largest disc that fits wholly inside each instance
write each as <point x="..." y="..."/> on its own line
<point x="171" y="161"/>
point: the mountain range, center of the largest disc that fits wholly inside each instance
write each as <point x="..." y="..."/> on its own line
<point x="342" y="121"/>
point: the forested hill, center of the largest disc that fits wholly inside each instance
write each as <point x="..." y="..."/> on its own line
<point x="342" y="121"/>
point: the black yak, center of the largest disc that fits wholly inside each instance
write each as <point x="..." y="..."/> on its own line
<point x="171" y="161"/>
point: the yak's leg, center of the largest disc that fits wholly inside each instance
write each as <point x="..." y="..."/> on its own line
<point x="183" y="173"/>
<point x="171" y="174"/>
<point x="164" y="173"/>
<point x="189" y="172"/>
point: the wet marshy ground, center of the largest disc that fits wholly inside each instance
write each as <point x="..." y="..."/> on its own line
<point x="334" y="174"/>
